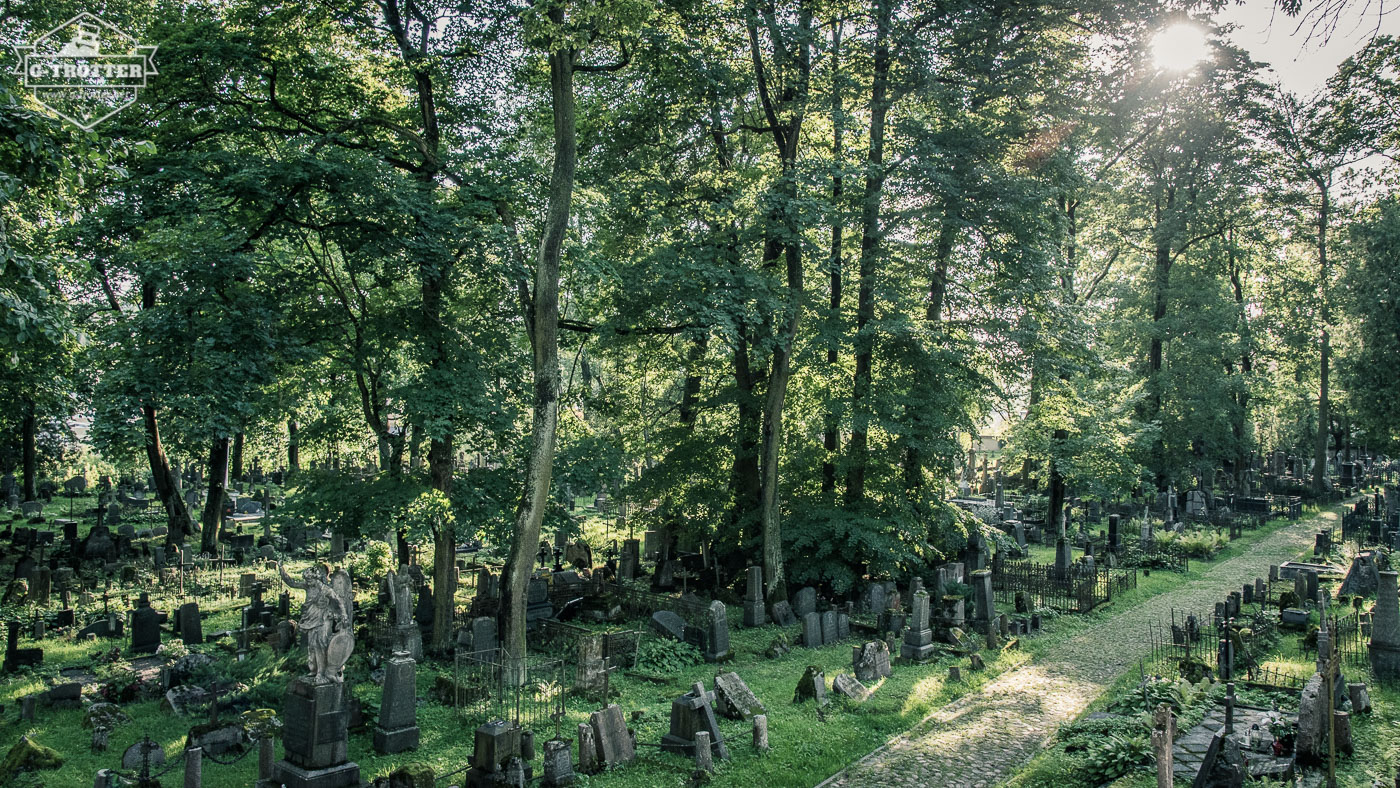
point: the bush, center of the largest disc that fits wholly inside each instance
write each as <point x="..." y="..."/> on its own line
<point x="663" y="656"/>
<point x="1113" y="756"/>
<point x="372" y="562"/>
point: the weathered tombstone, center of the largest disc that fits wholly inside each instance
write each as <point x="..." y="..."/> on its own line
<point x="782" y="614"/>
<point x="613" y="740"/>
<point x="396" y="729"/>
<point x="983" y="599"/>
<point x="631" y="559"/>
<point x="871" y="662"/>
<point x="669" y="624"/>
<point x="734" y="699"/>
<point x="592" y="671"/>
<point x="804" y="601"/>
<point x="1385" y="629"/>
<point x="717" y="644"/>
<point x="558" y="767"/>
<point x="850" y="687"/>
<point x="190" y="625"/>
<point x="843" y="626"/>
<point x="753" y="597"/>
<point x="812" y="630"/>
<point x="812" y="686"/>
<point x="828" y="627"/>
<point x="145" y="626"/>
<point x="918" y="639"/>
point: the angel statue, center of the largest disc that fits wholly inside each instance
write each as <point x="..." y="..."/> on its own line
<point x="326" y="620"/>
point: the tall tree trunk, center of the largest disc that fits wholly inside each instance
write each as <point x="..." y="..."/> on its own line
<point x="237" y="460"/>
<point x="177" y="515"/>
<point x="544" y="319"/>
<point x="28" y="451"/>
<point x="1161" y="283"/>
<point x="744" y="475"/>
<point x="179" y="520"/>
<point x="214" y="507"/>
<point x="1242" y="399"/>
<point x="869" y="254"/>
<point x="415" y="449"/>
<point x="1324" y="417"/>
<point x="831" y="424"/>
<point x="293" y="449"/>
<point x="444" y="546"/>
<point x="690" y="392"/>
<point x="1056" y="515"/>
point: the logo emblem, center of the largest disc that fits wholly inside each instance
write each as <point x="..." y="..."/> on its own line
<point x="85" y="70"/>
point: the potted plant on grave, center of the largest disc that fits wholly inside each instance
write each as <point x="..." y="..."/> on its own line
<point x="1285" y="733"/>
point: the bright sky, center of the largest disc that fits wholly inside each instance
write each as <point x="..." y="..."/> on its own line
<point x="1270" y="37"/>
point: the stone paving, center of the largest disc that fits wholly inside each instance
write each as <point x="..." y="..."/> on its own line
<point x="983" y="738"/>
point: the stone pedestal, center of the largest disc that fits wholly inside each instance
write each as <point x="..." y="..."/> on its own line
<point x="753" y="598"/>
<point x="397" y="728"/>
<point x="1385" y="630"/>
<point x="918" y="640"/>
<point x="315" y="737"/>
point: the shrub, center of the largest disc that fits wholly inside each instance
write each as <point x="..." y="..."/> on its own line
<point x="663" y="656"/>
<point x="1113" y="756"/>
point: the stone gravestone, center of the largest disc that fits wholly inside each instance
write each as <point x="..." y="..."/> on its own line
<point x="611" y="737"/>
<point x="782" y="614"/>
<point x="191" y="627"/>
<point x="804" y="601"/>
<point x="717" y="644"/>
<point x="984" y="600"/>
<point x="828" y="627"/>
<point x="1385" y="629"/>
<point x="753" y="598"/>
<point x="849" y="687"/>
<point x="692" y="713"/>
<point x="396" y="730"/>
<point x="812" y="630"/>
<point x="631" y="559"/>
<point x="734" y="699"/>
<point x="145" y="626"/>
<point x="871" y="662"/>
<point x="918" y="639"/>
<point x="665" y="622"/>
<point x="812" y="686"/>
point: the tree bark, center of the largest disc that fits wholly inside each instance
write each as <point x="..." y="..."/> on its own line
<point x="831" y="425"/>
<point x="544" y="319"/>
<point x="293" y="449"/>
<point x="1324" y="416"/>
<point x="1161" y="283"/>
<point x="29" y="451"/>
<point x="214" y="507"/>
<point x="858" y="444"/>
<point x="790" y="104"/>
<point x="177" y="515"/>
<point x="1056" y="514"/>
<point x="237" y="461"/>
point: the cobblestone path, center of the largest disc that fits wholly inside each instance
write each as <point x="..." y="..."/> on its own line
<point x="981" y="739"/>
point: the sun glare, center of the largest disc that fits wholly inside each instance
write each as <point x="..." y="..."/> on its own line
<point x="1180" y="47"/>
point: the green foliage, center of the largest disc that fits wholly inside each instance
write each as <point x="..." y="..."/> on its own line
<point x="373" y="561"/>
<point x="1114" y="755"/>
<point x="664" y="657"/>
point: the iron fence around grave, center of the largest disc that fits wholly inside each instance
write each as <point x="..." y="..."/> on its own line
<point x="560" y="637"/>
<point x="1348" y="636"/>
<point x="482" y="689"/>
<point x="1190" y="642"/>
<point x="1157" y="555"/>
<point x="638" y="603"/>
<point x="1077" y="589"/>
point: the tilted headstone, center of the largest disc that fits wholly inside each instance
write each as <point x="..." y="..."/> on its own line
<point x="734" y="699"/>
<point x="782" y="614"/>
<point x="614" y="742"/>
<point x="850" y="687"/>
<point x="812" y="686"/>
